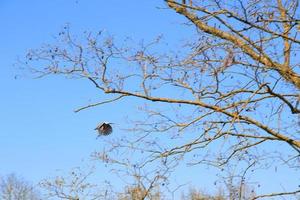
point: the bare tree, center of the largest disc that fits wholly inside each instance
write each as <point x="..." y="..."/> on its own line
<point x="137" y="193"/>
<point x="228" y="97"/>
<point x="75" y="186"/>
<point x="15" y="188"/>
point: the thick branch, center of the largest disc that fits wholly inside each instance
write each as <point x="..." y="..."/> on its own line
<point x="285" y="71"/>
<point x="274" y="133"/>
<point x="277" y="194"/>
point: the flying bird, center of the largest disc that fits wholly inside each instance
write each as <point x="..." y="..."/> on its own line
<point x="104" y="129"/>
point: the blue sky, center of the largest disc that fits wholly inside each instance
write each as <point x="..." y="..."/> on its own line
<point x="40" y="133"/>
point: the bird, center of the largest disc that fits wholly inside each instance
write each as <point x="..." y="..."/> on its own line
<point x="104" y="129"/>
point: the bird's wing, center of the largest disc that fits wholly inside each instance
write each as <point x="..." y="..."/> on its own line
<point x="98" y="126"/>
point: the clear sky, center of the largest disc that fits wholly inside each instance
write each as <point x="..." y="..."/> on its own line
<point x="39" y="132"/>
